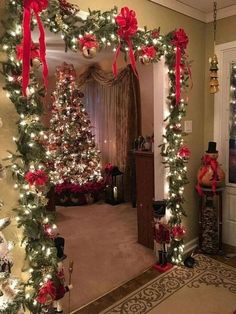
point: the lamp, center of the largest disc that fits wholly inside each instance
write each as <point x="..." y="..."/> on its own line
<point x="214" y="83"/>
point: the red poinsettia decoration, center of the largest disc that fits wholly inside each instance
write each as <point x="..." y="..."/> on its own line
<point x="178" y="232"/>
<point x="47" y="293"/>
<point x="184" y="152"/>
<point x="180" y="41"/>
<point x="127" y="28"/>
<point x="88" y="41"/>
<point x="148" y="51"/>
<point x="37" y="177"/>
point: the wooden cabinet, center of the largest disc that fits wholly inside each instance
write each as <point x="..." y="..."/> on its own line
<point x="144" y="164"/>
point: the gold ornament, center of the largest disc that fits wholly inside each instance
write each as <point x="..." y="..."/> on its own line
<point x="89" y="53"/>
<point x="59" y="20"/>
<point x="145" y="60"/>
<point x="36" y="63"/>
<point x="214" y="83"/>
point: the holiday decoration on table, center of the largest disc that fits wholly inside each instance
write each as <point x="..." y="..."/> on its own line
<point x="210" y="174"/>
<point x="180" y="41"/>
<point x="127" y="28"/>
<point x="88" y="45"/>
<point x="71" y="147"/>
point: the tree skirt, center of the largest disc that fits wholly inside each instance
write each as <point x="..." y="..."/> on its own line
<point x="208" y="288"/>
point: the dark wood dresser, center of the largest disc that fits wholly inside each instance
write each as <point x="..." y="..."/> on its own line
<point x="144" y="164"/>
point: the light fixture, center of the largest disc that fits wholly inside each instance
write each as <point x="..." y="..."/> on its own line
<point x="214" y="83"/>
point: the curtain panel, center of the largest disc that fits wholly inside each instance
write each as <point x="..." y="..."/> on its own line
<point x="114" y="107"/>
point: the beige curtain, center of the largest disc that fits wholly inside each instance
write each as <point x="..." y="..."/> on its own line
<point x="113" y="105"/>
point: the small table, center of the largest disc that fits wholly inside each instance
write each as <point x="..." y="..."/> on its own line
<point x="211" y="204"/>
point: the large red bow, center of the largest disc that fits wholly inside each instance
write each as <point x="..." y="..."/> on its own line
<point x="128" y="27"/>
<point x="180" y="41"/>
<point x="184" y="152"/>
<point x="178" y="232"/>
<point x="37" y="177"/>
<point x="47" y="293"/>
<point x="37" y="6"/>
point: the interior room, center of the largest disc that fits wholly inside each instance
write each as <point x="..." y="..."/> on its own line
<point x="117" y="156"/>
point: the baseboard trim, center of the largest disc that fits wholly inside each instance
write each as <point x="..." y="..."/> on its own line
<point x="191" y="245"/>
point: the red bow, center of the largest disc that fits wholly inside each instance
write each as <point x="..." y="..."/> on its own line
<point x="37" y="177"/>
<point x="128" y="27"/>
<point x="37" y="6"/>
<point x="47" y="293"/>
<point x="184" y="152"/>
<point x="88" y="41"/>
<point x="208" y="161"/>
<point x="180" y="41"/>
<point x="149" y="51"/>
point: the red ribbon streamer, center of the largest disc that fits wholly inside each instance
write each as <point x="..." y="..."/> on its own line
<point x="127" y="24"/>
<point x="37" y="6"/>
<point x="208" y="161"/>
<point x="180" y="41"/>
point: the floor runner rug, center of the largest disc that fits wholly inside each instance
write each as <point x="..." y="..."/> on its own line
<point x="208" y="288"/>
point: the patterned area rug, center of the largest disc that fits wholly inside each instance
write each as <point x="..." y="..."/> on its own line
<point x="208" y="288"/>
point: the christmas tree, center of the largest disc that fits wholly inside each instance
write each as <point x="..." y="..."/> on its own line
<point x="71" y="149"/>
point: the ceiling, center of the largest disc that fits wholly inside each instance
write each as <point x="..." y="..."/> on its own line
<point x="206" y="6"/>
<point x="201" y="9"/>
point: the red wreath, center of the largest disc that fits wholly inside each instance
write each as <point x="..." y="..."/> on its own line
<point x="180" y="41"/>
<point x="127" y="28"/>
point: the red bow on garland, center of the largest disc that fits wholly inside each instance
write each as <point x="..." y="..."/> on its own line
<point x="178" y="232"/>
<point x="127" y="27"/>
<point x="180" y="41"/>
<point x="208" y="161"/>
<point x="149" y="51"/>
<point x="37" y="6"/>
<point x="184" y="152"/>
<point x="37" y="177"/>
<point x="47" y="293"/>
<point x="88" y="41"/>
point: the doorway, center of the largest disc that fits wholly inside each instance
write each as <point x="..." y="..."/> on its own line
<point x="225" y="135"/>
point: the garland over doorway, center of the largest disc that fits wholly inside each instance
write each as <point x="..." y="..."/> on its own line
<point x="118" y="29"/>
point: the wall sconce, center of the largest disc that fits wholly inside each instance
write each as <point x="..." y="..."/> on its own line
<point x="214" y="83"/>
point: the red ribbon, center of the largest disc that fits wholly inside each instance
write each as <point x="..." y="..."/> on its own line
<point x="37" y="6"/>
<point x="180" y="41"/>
<point x="37" y="177"/>
<point x="208" y="161"/>
<point x="128" y="27"/>
<point x="34" y="51"/>
<point x="46" y="292"/>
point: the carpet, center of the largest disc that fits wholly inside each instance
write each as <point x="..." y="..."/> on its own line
<point x="102" y="241"/>
<point x="208" y="288"/>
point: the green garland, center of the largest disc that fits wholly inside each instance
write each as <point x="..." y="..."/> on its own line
<point x="30" y="155"/>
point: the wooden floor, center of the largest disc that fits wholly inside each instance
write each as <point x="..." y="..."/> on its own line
<point x="227" y="256"/>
